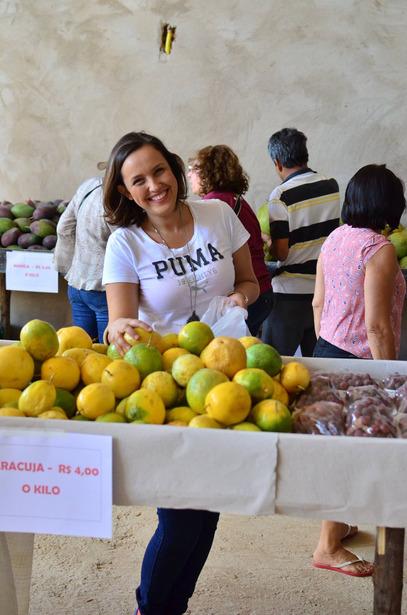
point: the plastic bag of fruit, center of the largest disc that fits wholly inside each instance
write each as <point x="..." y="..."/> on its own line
<point x="324" y="418"/>
<point x="342" y="381"/>
<point x="371" y="390"/>
<point x="370" y="417"/>
<point x="319" y="389"/>
<point x="401" y="424"/>
<point x="400" y="398"/>
<point x="394" y="381"/>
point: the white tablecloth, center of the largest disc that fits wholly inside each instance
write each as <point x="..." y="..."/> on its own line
<point x="357" y="480"/>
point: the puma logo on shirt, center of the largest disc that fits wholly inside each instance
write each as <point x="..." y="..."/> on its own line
<point x="181" y="265"/>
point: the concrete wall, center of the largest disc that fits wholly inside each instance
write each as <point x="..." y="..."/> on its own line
<point x="75" y="76"/>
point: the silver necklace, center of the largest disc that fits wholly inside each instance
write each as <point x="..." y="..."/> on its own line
<point x="193" y="288"/>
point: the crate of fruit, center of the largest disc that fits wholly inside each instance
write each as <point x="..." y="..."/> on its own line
<point x="206" y="422"/>
<point x="30" y="225"/>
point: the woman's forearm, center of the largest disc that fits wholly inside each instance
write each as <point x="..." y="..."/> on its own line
<point x="381" y="342"/>
<point x="248" y="289"/>
<point x="381" y="271"/>
<point x="319" y="296"/>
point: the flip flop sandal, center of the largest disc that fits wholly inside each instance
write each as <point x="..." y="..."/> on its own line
<point x="340" y="567"/>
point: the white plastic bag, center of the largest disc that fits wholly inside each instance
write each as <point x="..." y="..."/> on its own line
<point x="226" y="318"/>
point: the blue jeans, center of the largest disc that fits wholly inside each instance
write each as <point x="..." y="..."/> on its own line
<point x="258" y="311"/>
<point x="89" y="311"/>
<point x="174" y="559"/>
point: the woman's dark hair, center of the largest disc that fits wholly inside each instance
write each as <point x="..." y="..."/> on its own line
<point x="374" y="198"/>
<point x="119" y="210"/>
<point x="219" y="169"/>
<point x="289" y="147"/>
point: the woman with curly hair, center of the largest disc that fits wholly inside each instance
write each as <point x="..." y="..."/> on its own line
<point x="216" y="173"/>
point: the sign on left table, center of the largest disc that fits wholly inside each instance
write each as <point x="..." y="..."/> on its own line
<point x="55" y="483"/>
<point x="31" y="271"/>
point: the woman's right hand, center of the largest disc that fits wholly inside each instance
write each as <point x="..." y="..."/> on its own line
<point x="117" y="329"/>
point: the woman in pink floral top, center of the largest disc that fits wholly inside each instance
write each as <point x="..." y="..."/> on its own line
<point x="358" y="302"/>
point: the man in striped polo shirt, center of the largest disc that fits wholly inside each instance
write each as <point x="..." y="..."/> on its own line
<point x="303" y="210"/>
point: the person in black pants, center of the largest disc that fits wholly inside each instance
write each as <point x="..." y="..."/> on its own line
<point x="303" y="210"/>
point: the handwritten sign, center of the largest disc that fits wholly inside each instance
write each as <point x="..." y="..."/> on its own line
<point x="56" y="483"/>
<point x="31" y="271"/>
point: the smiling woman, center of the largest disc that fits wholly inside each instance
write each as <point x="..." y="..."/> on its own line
<point x="166" y="261"/>
<point x="148" y="179"/>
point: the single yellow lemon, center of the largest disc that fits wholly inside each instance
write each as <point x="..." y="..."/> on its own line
<point x="121" y="407"/>
<point x="9" y="395"/>
<point x="228" y="403"/>
<point x="280" y="393"/>
<point x="225" y="354"/>
<point x="170" y="355"/>
<point x="185" y="367"/>
<point x="245" y="426"/>
<point x="40" y="339"/>
<point x="249" y="340"/>
<point x="295" y="377"/>
<point x="53" y="413"/>
<point x="102" y="348"/>
<point x="93" y="366"/>
<point x="73" y="337"/>
<point x="77" y="354"/>
<point x="164" y="385"/>
<point x="63" y="372"/>
<point x="122" y="378"/>
<point x="180" y="413"/>
<point x="151" y="338"/>
<point x="272" y="415"/>
<point x="37" y="397"/>
<point x="170" y="340"/>
<point x="204" y="421"/>
<point x="145" y="406"/>
<point x="11" y="412"/>
<point x="16" y="367"/>
<point x="95" y="399"/>
<point x="111" y="417"/>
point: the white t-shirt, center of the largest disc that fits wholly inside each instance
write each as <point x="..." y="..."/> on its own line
<point x="168" y="278"/>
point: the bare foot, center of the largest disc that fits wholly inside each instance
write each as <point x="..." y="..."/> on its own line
<point x="338" y="557"/>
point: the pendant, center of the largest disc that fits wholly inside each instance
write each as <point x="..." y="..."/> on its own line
<point x="193" y="318"/>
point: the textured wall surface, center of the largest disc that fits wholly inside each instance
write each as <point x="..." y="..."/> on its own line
<point x="75" y="76"/>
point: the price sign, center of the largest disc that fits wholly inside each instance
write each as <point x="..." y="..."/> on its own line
<point x="56" y="483"/>
<point x="31" y="271"/>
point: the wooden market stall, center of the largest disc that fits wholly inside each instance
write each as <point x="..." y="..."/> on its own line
<point x="17" y="307"/>
<point x="361" y="480"/>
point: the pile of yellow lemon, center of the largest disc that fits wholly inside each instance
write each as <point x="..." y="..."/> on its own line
<point x="187" y="379"/>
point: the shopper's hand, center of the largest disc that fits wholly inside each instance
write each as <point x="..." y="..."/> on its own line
<point x="238" y="299"/>
<point x="118" y="328"/>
